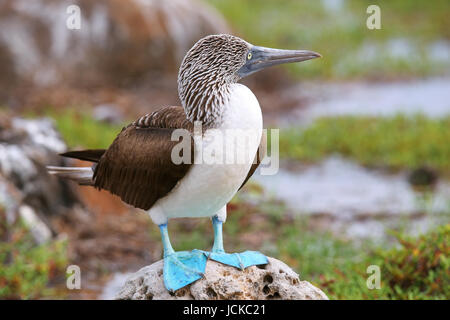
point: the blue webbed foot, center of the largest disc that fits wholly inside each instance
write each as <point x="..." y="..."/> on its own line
<point x="239" y="260"/>
<point x="182" y="268"/>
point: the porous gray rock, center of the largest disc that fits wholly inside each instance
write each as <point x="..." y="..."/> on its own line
<point x="275" y="280"/>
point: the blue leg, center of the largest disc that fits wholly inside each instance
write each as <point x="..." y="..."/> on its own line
<point x="180" y="268"/>
<point x="238" y="260"/>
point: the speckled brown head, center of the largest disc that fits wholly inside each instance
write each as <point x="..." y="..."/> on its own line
<point x="217" y="61"/>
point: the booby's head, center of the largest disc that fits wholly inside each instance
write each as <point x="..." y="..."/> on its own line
<point x="215" y="62"/>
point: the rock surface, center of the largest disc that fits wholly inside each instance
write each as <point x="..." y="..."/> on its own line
<point x="26" y="189"/>
<point x="272" y="281"/>
<point x="117" y="39"/>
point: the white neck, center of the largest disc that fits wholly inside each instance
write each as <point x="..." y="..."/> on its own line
<point x="242" y="110"/>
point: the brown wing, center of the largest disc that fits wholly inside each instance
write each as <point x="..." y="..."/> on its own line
<point x="138" y="166"/>
<point x="260" y="154"/>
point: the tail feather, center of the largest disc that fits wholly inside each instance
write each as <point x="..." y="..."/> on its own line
<point x="81" y="175"/>
<point x="92" y="155"/>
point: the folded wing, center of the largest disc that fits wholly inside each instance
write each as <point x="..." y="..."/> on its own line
<point x="138" y="166"/>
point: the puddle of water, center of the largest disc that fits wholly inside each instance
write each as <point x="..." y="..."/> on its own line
<point x="333" y="6"/>
<point x="339" y="187"/>
<point x="440" y="51"/>
<point x="430" y="97"/>
<point x="356" y="198"/>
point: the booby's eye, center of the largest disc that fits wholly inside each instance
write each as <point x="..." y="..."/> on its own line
<point x="249" y="56"/>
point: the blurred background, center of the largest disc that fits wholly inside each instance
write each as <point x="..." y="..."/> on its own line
<point x="364" y="173"/>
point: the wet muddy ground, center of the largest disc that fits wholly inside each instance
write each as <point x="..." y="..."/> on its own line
<point x="357" y="202"/>
<point x="430" y="97"/>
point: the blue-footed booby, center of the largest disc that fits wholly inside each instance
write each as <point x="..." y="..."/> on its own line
<point x="139" y="165"/>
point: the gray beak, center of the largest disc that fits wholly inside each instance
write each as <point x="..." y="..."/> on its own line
<point x="260" y="57"/>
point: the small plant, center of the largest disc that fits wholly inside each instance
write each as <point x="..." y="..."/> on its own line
<point x="27" y="269"/>
<point x="419" y="268"/>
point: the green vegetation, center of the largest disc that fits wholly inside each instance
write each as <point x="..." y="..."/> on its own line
<point x="399" y="49"/>
<point x="397" y="142"/>
<point x="418" y="269"/>
<point x="80" y="129"/>
<point x="27" y="269"/>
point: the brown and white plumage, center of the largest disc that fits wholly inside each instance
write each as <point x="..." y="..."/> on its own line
<point x="139" y="158"/>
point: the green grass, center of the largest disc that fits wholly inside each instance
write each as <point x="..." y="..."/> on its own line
<point x="267" y="227"/>
<point x="27" y="269"/>
<point x="341" y="36"/>
<point x="79" y="129"/>
<point x="398" y="142"/>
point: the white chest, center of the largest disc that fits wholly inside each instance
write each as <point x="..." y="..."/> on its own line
<point x="223" y="159"/>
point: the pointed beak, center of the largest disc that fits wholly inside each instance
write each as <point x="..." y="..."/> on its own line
<point x="261" y="57"/>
